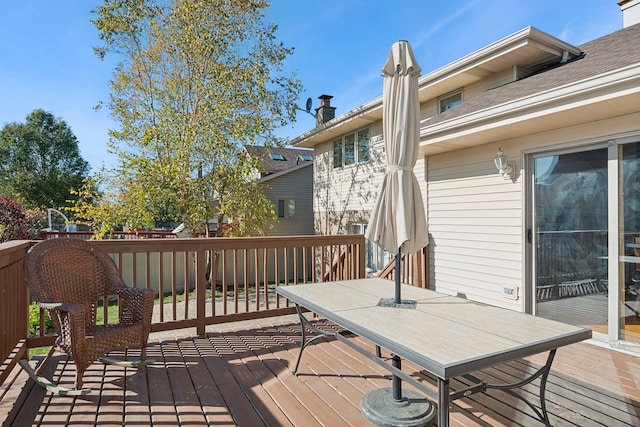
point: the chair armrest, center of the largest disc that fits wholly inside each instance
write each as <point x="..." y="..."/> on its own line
<point x="64" y="307"/>
<point x="136" y="305"/>
<point x="70" y="322"/>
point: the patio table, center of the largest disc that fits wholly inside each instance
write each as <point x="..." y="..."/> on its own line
<point x="446" y="336"/>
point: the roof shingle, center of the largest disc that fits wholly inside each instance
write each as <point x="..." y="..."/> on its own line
<point x="290" y="156"/>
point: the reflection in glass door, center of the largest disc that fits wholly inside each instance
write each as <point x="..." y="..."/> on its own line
<point x="629" y="181"/>
<point x="570" y="238"/>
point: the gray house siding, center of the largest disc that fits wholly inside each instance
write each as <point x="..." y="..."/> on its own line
<point x="293" y="185"/>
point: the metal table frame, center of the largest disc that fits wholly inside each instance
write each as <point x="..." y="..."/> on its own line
<point x="444" y="395"/>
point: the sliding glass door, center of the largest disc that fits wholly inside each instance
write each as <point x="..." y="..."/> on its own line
<point x="585" y="238"/>
<point x="628" y="306"/>
<point x="569" y="237"/>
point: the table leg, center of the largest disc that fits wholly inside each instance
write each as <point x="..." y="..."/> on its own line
<point x="304" y="324"/>
<point x="443" y="403"/>
<point x="543" y="373"/>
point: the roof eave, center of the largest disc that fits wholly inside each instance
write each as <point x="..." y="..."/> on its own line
<point x="444" y="79"/>
<point x="529" y="36"/>
<point x="501" y="121"/>
<point x="352" y="120"/>
<point x="284" y="172"/>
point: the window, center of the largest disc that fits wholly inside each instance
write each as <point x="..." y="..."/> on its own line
<point x="286" y="208"/>
<point x="305" y="157"/>
<point x="351" y="149"/>
<point x="450" y="100"/>
<point x="363" y="146"/>
<point x="276" y="156"/>
<point x="376" y="258"/>
<point x="337" y="153"/>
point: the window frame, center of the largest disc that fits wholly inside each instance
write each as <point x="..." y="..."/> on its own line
<point x="376" y="258"/>
<point x="289" y="208"/>
<point x="452" y="94"/>
<point x="354" y="141"/>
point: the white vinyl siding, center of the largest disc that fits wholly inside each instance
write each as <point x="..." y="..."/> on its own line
<point x="475" y="219"/>
<point x="475" y="216"/>
<point x="348" y="195"/>
<point x="352" y="188"/>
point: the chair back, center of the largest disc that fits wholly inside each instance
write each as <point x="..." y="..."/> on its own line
<point x="71" y="271"/>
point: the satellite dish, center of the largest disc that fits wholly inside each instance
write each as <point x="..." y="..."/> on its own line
<point x="309" y="105"/>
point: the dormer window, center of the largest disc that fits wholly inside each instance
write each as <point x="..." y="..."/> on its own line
<point x="450" y="100"/>
<point x="276" y="156"/>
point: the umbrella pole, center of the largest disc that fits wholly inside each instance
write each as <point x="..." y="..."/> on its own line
<point x="390" y="406"/>
<point x="396" y="382"/>
<point x="397" y="276"/>
<point x="396" y="361"/>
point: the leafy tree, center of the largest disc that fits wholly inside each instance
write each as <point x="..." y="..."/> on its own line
<point x="197" y="80"/>
<point x="37" y="221"/>
<point x="240" y="198"/>
<point x="13" y="221"/>
<point x="100" y="217"/>
<point x="40" y="161"/>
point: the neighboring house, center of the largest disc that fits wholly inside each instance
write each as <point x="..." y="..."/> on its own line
<point x="560" y="237"/>
<point x="287" y="180"/>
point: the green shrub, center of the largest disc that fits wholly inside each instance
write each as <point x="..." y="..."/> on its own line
<point x="34" y="320"/>
<point x="13" y="223"/>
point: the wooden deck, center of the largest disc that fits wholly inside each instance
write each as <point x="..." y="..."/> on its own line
<point x="241" y="377"/>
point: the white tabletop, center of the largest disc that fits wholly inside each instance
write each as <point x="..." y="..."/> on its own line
<point x="448" y="336"/>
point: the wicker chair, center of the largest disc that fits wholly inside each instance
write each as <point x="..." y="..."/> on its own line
<point x="68" y="277"/>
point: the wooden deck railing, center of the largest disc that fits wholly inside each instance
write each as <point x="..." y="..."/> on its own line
<point x="199" y="282"/>
<point x="13" y="305"/>
<point x="415" y="269"/>
<point x="127" y="235"/>
<point x="341" y="267"/>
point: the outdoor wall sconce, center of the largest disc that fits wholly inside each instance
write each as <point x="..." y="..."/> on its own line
<point x="506" y="169"/>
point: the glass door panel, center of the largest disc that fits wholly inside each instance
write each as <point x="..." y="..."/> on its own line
<point x="629" y="308"/>
<point x="570" y="238"/>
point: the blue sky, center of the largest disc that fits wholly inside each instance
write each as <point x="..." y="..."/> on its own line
<point x="47" y="59"/>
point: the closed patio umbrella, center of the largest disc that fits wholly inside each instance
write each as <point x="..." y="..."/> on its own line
<point x="398" y="223"/>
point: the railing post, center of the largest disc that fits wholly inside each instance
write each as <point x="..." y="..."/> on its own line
<point x="361" y="259"/>
<point x="201" y="287"/>
<point x="14" y="305"/>
<point x="326" y="260"/>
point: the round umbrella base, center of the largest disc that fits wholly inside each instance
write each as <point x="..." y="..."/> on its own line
<point x="381" y="409"/>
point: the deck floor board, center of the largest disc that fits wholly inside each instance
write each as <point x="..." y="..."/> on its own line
<point x="242" y="377"/>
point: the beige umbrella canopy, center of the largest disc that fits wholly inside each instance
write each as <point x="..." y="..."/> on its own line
<point x="398" y="221"/>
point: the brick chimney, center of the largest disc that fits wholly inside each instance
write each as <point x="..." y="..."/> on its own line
<point x="630" y="12"/>
<point x="325" y="112"/>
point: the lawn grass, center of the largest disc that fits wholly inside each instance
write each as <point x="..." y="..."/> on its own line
<point x="112" y="312"/>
